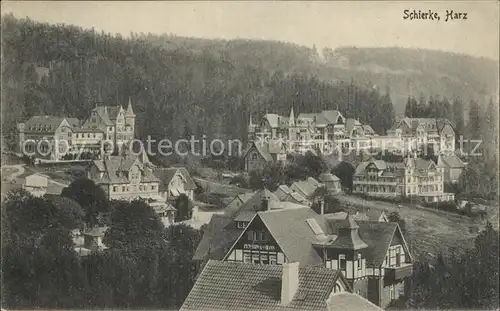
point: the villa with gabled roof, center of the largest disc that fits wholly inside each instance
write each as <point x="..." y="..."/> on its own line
<point x="412" y="177"/>
<point x="372" y="255"/>
<point x="59" y="136"/>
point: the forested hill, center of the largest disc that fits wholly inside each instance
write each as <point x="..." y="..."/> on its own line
<point x="415" y="71"/>
<point x="182" y="86"/>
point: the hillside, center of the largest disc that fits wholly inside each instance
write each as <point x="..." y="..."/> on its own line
<point x="188" y="86"/>
<point x="404" y="71"/>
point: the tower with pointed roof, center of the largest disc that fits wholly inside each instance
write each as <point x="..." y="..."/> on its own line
<point x="130" y="119"/>
<point x="251" y="129"/>
<point x="347" y="251"/>
<point x="291" y="125"/>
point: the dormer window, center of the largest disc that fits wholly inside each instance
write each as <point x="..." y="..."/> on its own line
<point x="241" y="224"/>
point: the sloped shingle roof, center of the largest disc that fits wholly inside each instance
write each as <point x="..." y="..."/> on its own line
<point x="239" y="286"/>
<point x="293" y="235"/>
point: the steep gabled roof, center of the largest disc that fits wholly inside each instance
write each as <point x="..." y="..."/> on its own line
<point x="261" y="150"/>
<point x="43" y="124"/>
<point x="240" y="286"/>
<point x="116" y="168"/>
<point x="293" y="235"/>
<point x="217" y="239"/>
<point x="165" y="175"/>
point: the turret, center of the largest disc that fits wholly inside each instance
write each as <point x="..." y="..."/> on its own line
<point x="130" y="119"/>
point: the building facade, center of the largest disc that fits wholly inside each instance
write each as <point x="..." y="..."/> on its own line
<point x="53" y="137"/>
<point x="425" y="133"/>
<point x="322" y="131"/>
<point x="413" y="177"/>
<point x="372" y="255"/>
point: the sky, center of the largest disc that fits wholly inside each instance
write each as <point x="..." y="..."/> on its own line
<point x="326" y="23"/>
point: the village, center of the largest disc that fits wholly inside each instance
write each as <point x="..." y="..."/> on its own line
<point x="248" y="156"/>
<point x="290" y="231"/>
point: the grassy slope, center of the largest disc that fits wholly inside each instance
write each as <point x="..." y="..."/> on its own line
<point x="429" y="230"/>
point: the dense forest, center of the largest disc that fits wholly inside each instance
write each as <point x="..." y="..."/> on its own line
<point x="145" y="264"/>
<point x="182" y="86"/>
<point x="175" y="92"/>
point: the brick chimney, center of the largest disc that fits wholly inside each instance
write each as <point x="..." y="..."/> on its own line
<point x="289" y="282"/>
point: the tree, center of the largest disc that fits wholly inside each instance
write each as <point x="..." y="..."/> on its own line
<point x="475" y="120"/>
<point x="183" y="207"/>
<point x="90" y="196"/>
<point x="134" y="225"/>
<point x="458" y="116"/>
<point x="345" y="172"/>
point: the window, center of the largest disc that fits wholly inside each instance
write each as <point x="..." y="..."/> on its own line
<point x="123" y="188"/>
<point x="115" y="189"/>
<point x="250" y="235"/>
<point x="247" y="258"/>
<point x="241" y="224"/>
<point x="359" y="261"/>
<point x="272" y="259"/>
<point x="342" y="262"/>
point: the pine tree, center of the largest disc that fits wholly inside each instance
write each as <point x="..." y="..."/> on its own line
<point x="458" y="116"/>
<point x="474" y="122"/>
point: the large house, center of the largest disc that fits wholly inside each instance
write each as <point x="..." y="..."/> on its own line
<point x="309" y="131"/>
<point x="46" y="136"/>
<point x="117" y="124"/>
<point x="242" y="286"/>
<point x="412" y="177"/>
<point x="452" y="167"/>
<point x="260" y="153"/>
<point x="420" y="133"/>
<point x="224" y="229"/>
<point x="125" y="178"/>
<point x="174" y="181"/>
<point x="372" y="255"/>
<point x="130" y="177"/>
<point x="58" y="136"/>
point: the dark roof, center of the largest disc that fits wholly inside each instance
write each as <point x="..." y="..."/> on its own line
<point x="116" y="168"/>
<point x="348" y="236"/>
<point x="217" y="239"/>
<point x="222" y="231"/>
<point x="378" y="235"/>
<point x="297" y="231"/>
<point x="261" y="150"/>
<point x="239" y="286"/>
<point x="251" y="206"/>
<point x="165" y="175"/>
<point x="44" y="124"/>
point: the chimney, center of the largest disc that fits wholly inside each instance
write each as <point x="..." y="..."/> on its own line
<point x="289" y="282"/>
<point x="322" y="205"/>
<point x="264" y="201"/>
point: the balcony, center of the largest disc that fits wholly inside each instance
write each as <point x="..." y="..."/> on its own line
<point x="393" y="274"/>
